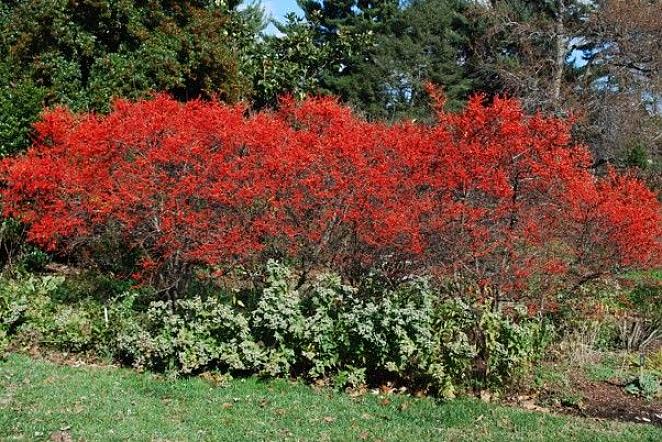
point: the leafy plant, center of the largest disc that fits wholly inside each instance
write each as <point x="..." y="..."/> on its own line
<point x="190" y="336"/>
<point x="647" y="385"/>
<point x="489" y="194"/>
<point x="331" y="331"/>
<point x="277" y="321"/>
<point x="82" y="55"/>
<point x="18" y="298"/>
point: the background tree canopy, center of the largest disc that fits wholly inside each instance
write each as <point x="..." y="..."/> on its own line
<point x="397" y="48"/>
<point x="598" y="60"/>
<point x="83" y="53"/>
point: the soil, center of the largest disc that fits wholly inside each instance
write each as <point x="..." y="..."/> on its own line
<point x="59" y="357"/>
<point x="609" y="400"/>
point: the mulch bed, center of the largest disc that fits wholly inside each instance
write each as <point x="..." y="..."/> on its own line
<point x="609" y="401"/>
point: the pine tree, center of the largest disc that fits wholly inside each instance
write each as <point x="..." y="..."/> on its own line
<point x="356" y="77"/>
<point x="398" y="46"/>
<point x="426" y="43"/>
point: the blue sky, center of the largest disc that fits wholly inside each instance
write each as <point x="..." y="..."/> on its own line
<point x="278" y="8"/>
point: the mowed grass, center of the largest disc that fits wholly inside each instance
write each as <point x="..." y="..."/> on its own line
<point x="40" y="400"/>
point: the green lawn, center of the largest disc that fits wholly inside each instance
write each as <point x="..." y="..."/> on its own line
<point x="38" y="399"/>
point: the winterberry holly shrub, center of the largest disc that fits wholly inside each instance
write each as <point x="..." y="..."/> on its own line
<point x="490" y="194"/>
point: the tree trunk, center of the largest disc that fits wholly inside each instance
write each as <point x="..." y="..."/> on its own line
<point x="561" y="48"/>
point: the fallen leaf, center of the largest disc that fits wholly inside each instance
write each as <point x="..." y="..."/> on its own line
<point x="532" y="406"/>
<point x="357" y="392"/>
<point x="61" y="436"/>
<point x="386" y="389"/>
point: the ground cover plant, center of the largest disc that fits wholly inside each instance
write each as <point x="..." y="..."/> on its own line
<point x="346" y="337"/>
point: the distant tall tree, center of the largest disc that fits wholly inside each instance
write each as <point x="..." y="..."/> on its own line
<point x="523" y="48"/>
<point x="397" y="47"/>
<point x="294" y="61"/>
<point x="622" y="85"/>
<point x="355" y="78"/>
<point x="426" y="42"/>
<point x="599" y="59"/>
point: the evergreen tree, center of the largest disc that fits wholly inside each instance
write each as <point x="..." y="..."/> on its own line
<point x="392" y="49"/>
<point x="427" y="42"/>
<point x="294" y="61"/>
<point x="355" y="77"/>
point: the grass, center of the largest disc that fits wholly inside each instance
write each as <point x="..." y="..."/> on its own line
<point x="38" y="399"/>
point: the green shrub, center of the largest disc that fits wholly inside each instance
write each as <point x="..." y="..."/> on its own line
<point x="12" y="307"/>
<point x="329" y="330"/>
<point x="40" y="310"/>
<point x="84" y="55"/>
<point x="278" y="322"/>
<point x="16" y="255"/>
<point x="409" y="335"/>
<point x="509" y="346"/>
<point x="646" y="385"/>
<point x="21" y="102"/>
<point x="18" y="299"/>
<point x="78" y="326"/>
<point x="414" y="335"/>
<point x="190" y="335"/>
<point x="92" y="285"/>
<point x="390" y="333"/>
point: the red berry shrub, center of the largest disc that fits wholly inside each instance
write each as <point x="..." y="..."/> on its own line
<point x="489" y="193"/>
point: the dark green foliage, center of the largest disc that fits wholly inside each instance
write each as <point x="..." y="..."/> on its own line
<point x="357" y="79"/>
<point x="17" y="255"/>
<point x="391" y="50"/>
<point x="294" y="62"/>
<point x="638" y="157"/>
<point x="82" y="54"/>
<point x="428" y="41"/>
<point x="20" y="103"/>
